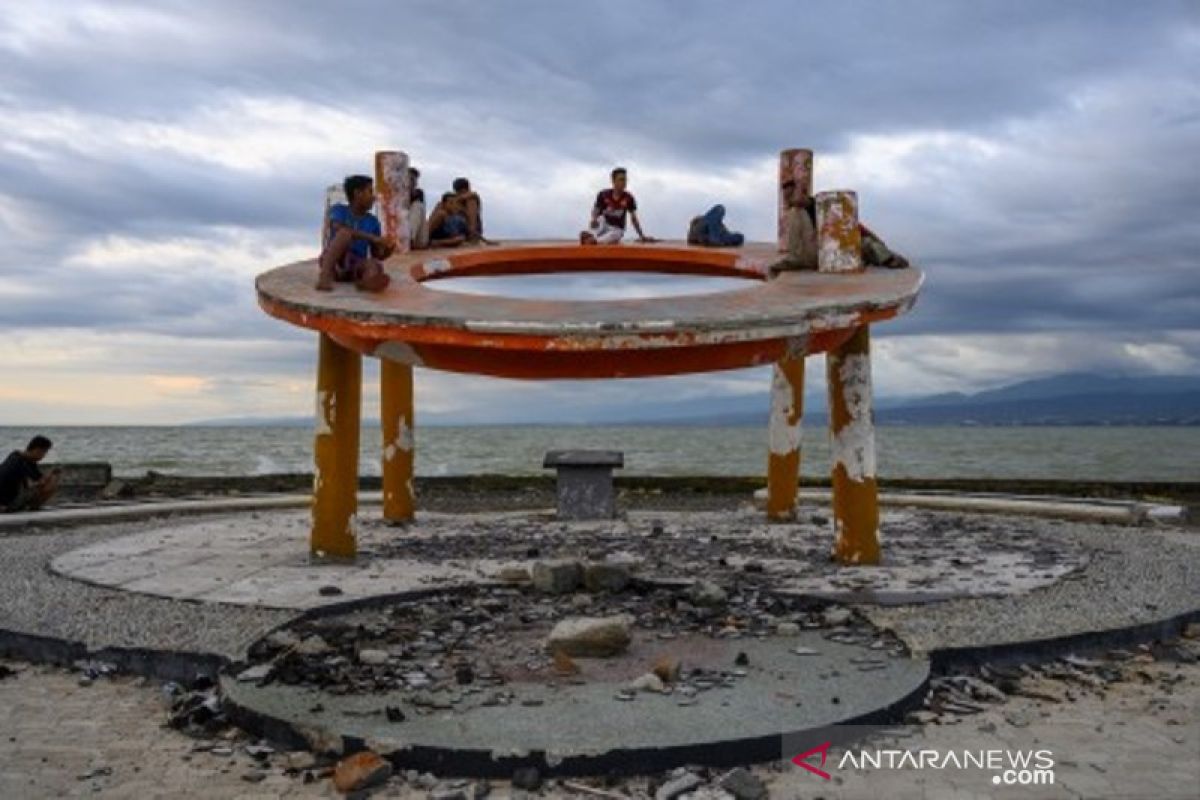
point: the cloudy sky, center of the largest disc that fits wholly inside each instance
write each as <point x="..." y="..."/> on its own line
<point x="1038" y="160"/>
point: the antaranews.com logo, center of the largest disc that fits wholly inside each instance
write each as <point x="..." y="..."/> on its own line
<point x="1007" y="767"/>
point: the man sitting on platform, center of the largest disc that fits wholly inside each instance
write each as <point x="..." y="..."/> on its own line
<point x="23" y="487"/>
<point x="800" y="230"/>
<point x="800" y="242"/>
<point x="607" y="225"/>
<point x="418" y="226"/>
<point x="458" y="218"/>
<point x="354" y="241"/>
<point x="709" y="230"/>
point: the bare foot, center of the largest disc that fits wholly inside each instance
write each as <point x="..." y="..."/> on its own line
<point x="376" y="282"/>
<point x="324" y="285"/>
<point x="586" y="237"/>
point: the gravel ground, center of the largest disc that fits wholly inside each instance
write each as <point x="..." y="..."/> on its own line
<point x="35" y="601"/>
<point x="1136" y="576"/>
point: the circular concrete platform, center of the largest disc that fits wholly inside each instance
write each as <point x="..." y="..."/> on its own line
<point x="173" y="596"/>
<point x="260" y="558"/>
<point x="464" y="684"/>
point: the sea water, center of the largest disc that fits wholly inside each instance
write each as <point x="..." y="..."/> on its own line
<point x="1070" y="453"/>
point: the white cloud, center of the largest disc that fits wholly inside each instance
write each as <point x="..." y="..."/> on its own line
<point x="155" y="158"/>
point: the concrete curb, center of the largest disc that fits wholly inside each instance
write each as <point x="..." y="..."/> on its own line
<point x="1116" y="512"/>
<point x="125" y="512"/>
<point x="1099" y="511"/>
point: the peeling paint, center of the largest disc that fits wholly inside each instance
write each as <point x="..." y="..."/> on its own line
<point x="839" y="241"/>
<point x="837" y="322"/>
<point x="404" y="438"/>
<point x="783" y="436"/>
<point x="754" y="264"/>
<point x="854" y="448"/>
<point x="326" y="412"/>
<point x="394" y="187"/>
<point x="398" y="351"/>
<point x="854" y="445"/>
<point x="404" y="441"/>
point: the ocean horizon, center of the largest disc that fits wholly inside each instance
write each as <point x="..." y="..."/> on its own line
<point x="1094" y="453"/>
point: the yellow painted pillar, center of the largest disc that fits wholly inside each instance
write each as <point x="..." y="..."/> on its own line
<point x="396" y="393"/>
<point x="852" y="445"/>
<point x="848" y="376"/>
<point x="783" y="459"/>
<point x="787" y="378"/>
<point x="335" y="483"/>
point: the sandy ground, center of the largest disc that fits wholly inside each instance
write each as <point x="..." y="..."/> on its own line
<point x="1136" y="738"/>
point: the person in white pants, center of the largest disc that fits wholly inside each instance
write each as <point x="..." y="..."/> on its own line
<point x="607" y="225"/>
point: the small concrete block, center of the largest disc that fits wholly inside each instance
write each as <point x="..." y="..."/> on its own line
<point x="585" y="485"/>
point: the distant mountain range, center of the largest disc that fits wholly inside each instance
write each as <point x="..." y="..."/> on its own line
<point x="1070" y="399"/>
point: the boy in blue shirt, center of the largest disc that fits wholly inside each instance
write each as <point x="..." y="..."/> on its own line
<point x="354" y="241"/>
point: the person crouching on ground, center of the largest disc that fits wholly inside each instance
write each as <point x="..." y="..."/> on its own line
<point x="607" y="225"/>
<point x="354" y="242"/>
<point x="23" y="487"/>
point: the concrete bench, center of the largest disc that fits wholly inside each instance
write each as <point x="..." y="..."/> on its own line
<point x="585" y="482"/>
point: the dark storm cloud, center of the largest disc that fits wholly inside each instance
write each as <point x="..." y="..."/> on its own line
<point x="1035" y="158"/>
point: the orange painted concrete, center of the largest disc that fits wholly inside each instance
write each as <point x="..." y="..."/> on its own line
<point x="415" y="323"/>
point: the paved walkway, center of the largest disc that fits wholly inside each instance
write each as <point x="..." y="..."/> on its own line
<point x="1139" y="739"/>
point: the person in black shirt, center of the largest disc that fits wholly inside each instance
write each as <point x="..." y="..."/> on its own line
<point x="23" y="487"/>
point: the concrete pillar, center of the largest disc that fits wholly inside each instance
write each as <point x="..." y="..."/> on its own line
<point x="839" y="240"/>
<point x="794" y="165"/>
<point x="334" y="194"/>
<point x="852" y="445"/>
<point x="396" y="394"/>
<point x="783" y="459"/>
<point x="335" y="482"/>
<point x="392" y="189"/>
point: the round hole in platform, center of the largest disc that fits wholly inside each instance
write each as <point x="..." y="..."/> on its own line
<point x="588" y="286"/>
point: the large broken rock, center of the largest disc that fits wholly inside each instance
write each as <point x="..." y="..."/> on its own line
<point x="591" y="637"/>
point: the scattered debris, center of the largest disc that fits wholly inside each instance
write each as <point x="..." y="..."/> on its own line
<point x="707" y="594"/>
<point x="743" y="784"/>
<point x="361" y="771"/>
